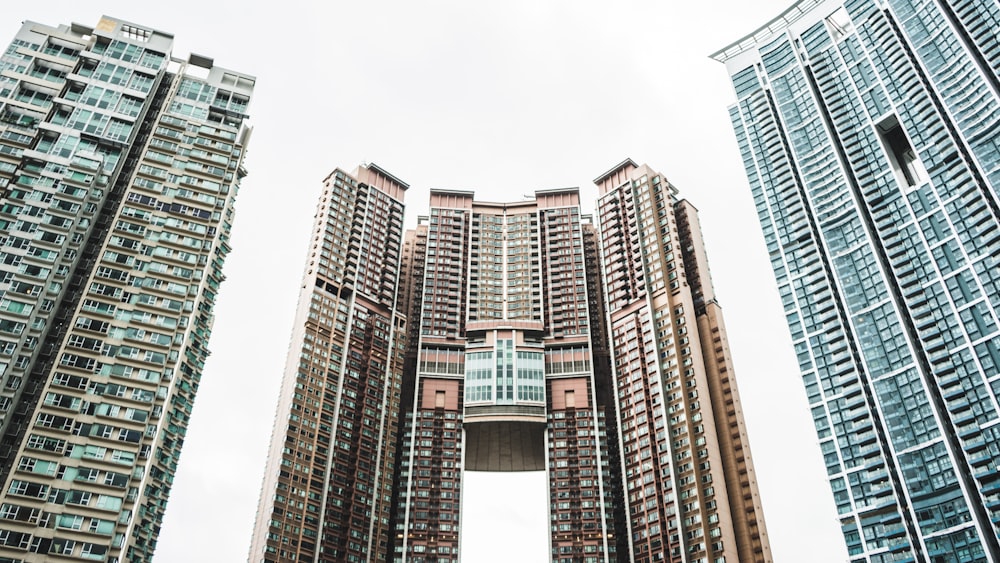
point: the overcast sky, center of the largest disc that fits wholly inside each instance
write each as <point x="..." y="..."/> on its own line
<point x="503" y="98"/>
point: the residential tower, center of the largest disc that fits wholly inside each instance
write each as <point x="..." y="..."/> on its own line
<point x="870" y="134"/>
<point x="509" y="336"/>
<point x="119" y="167"/>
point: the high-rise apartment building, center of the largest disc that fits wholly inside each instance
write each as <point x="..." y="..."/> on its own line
<point x="690" y="493"/>
<point x="513" y="336"/>
<point x="327" y="493"/>
<point x="119" y="166"/>
<point x="870" y="133"/>
<point x="504" y="352"/>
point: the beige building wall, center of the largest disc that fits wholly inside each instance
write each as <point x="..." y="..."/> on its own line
<point x="688" y="479"/>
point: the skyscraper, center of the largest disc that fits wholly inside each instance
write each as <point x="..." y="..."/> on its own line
<point x="870" y="133"/>
<point x="119" y="166"/>
<point x="514" y="336"/>
<point x="327" y="492"/>
<point x="689" y="484"/>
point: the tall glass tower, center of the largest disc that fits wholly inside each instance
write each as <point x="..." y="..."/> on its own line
<point x="870" y="133"/>
<point x="119" y="167"/>
<point x="509" y="336"/>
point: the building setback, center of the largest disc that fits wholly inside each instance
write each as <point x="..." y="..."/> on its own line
<point x="870" y="133"/>
<point x="497" y="341"/>
<point x="119" y="166"/>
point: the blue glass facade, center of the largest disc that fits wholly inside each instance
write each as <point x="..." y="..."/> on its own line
<point x="870" y="135"/>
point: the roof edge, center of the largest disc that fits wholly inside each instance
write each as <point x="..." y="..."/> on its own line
<point x="779" y="23"/>
<point x="615" y="168"/>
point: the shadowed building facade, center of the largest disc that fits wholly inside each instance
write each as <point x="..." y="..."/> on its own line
<point x="507" y="358"/>
<point x="119" y="168"/>
<point x="870" y="133"/>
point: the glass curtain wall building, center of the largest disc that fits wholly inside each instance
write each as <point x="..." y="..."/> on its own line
<point x="522" y="337"/>
<point x="119" y="167"/>
<point x="870" y="134"/>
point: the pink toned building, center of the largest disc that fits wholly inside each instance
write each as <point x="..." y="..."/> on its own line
<point x="505" y="359"/>
<point x="328" y="484"/>
<point x="690" y="490"/>
<point x="513" y="336"/>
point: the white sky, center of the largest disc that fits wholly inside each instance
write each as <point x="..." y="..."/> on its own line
<point x="503" y="98"/>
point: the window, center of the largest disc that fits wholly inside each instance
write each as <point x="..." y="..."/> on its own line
<point x="106" y="502"/>
<point x="62" y="547"/>
<point x="70" y="521"/>
<point x="9" y="511"/>
<point x="93" y="551"/>
<point x="14" y="539"/>
<point x="81" y="498"/>
<point x="102" y="527"/>
<point x="38" y="442"/>
<point x="87" y="475"/>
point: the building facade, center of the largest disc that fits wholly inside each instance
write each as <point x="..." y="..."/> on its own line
<point x="327" y="493"/>
<point x="690" y="492"/>
<point x="513" y="336"/>
<point x="870" y="133"/>
<point x="119" y="166"/>
<point x="505" y="377"/>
